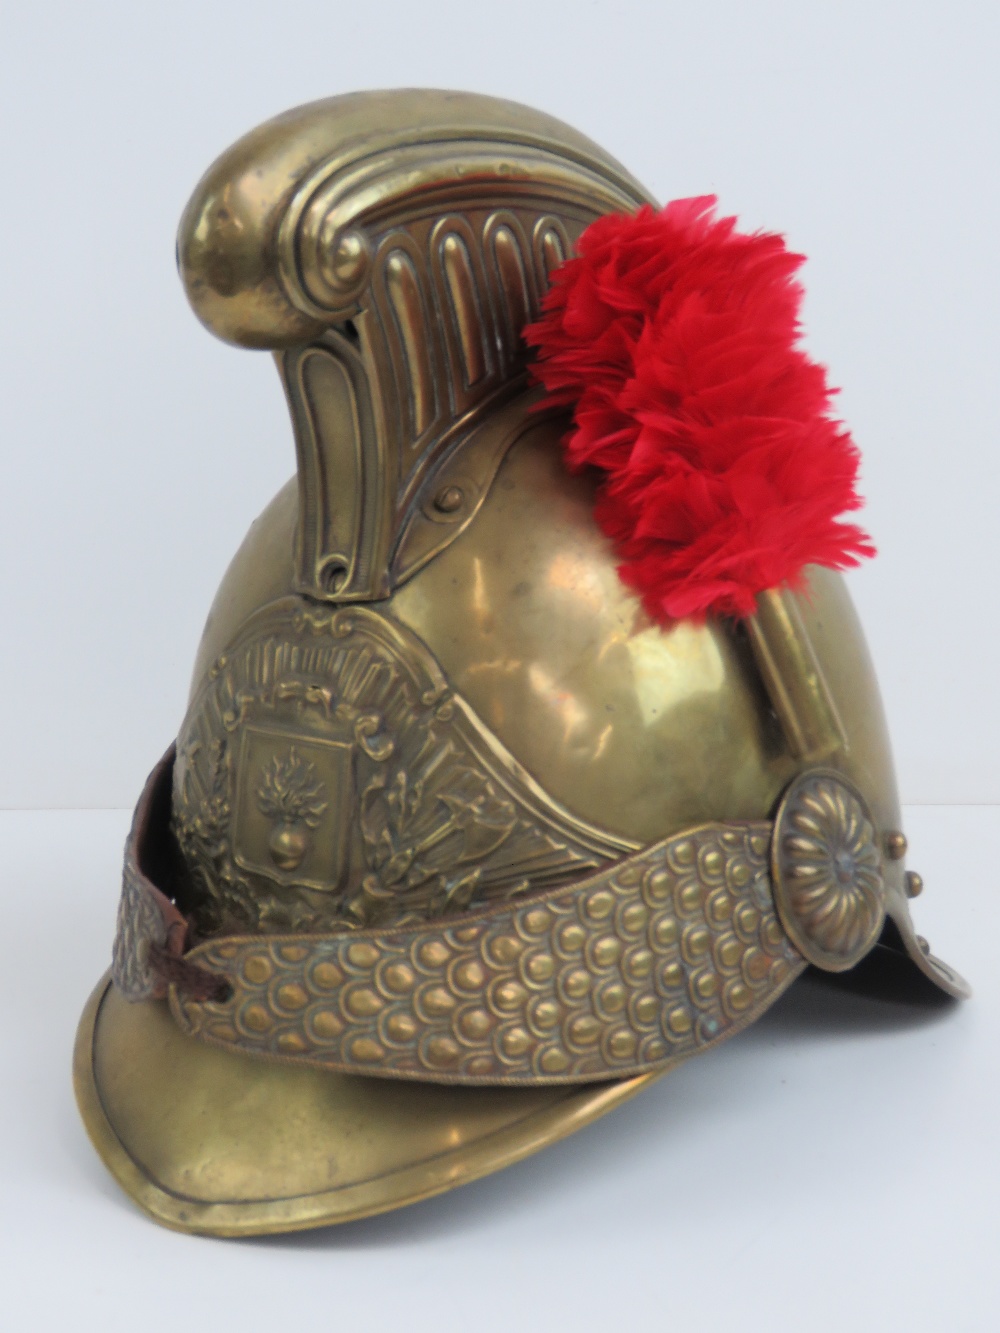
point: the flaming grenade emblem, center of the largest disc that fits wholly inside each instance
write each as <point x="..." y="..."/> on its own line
<point x="291" y="795"/>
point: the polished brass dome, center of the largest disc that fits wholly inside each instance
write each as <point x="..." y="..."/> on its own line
<point x="453" y="835"/>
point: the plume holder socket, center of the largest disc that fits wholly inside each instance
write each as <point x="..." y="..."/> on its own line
<point x="794" y="679"/>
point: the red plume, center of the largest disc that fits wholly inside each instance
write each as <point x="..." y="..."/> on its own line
<point x="674" y="338"/>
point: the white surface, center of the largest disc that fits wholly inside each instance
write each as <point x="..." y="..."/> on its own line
<point x="135" y="449"/>
<point x="835" y="1167"/>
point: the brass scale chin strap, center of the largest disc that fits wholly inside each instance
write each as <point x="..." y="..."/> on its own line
<point x="635" y="968"/>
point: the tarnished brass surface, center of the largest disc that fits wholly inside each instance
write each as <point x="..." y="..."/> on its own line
<point x="327" y="775"/>
<point x="501" y="718"/>
<point x="644" y="964"/>
<point x="896" y="845"/>
<point x="827" y="871"/>
<point x="639" y="730"/>
<point x="212" y="1141"/>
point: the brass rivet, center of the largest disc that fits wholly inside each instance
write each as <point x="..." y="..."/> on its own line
<point x="401" y="1027"/>
<point x="257" y="969"/>
<point x="292" y="996"/>
<point x="914" y="884"/>
<point x="554" y="1061"/>
<point x="475" y="1024"/>
<point x="895" y="845"/>
<point x="362" y="955"/>
<point x="366" y="1051"/>
<point x="257" y="1018"/>
<point x="448" y="499"/>
<point x="350" y="259"/>
<point x="364" y="1002"/>
<point x="327" y="1026"/>
<point x="441" y="1052"/>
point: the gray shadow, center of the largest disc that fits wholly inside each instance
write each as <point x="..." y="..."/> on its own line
<point x="884" y="993"/>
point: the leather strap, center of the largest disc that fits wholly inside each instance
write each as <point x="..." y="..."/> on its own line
<point x="152" y="934"/>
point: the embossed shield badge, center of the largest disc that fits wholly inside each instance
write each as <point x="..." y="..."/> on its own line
<point x="292" y="800"/>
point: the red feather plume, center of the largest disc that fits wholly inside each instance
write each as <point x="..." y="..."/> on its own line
<point x="674" y="338"/>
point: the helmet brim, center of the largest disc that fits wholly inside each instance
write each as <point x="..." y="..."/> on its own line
<point x="219" y="1143"/>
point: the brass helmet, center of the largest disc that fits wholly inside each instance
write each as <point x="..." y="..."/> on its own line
<point x="457" y="849"/>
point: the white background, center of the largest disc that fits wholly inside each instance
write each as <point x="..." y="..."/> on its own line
<point x="135" y="450"/>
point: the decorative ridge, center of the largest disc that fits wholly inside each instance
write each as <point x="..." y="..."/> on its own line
<point x="391" y="262"/>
